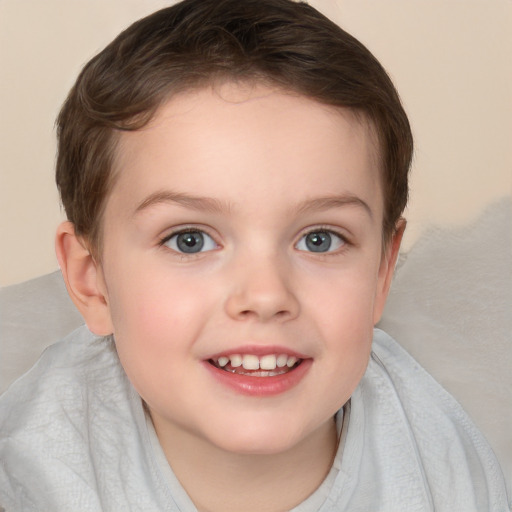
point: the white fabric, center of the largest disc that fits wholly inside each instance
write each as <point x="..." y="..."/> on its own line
<point x="73" y="437"/>
<point x="33" y="315"/>
<point x="450" y="307"/>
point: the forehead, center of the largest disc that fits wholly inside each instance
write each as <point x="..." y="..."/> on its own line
<point x="214" y="139"/>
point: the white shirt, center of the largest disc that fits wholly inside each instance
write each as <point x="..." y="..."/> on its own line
<point x="74" y="437"/>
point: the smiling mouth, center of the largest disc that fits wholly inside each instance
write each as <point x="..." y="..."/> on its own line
<point x="270" y="365"/>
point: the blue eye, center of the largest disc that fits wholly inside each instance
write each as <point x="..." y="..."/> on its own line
<point x="190" y="242"/>
<point x="320" y="241"/>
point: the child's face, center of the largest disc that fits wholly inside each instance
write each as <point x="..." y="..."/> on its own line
<point x="245" y="222"/>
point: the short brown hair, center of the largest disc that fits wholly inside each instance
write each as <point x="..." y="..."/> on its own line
<point x="197" y="42"/>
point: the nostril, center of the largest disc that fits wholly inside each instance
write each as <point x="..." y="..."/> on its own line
<point x="263" y="304"/>
<point x="248" y="313"/>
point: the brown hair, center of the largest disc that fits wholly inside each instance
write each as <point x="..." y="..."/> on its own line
<point x="197" y="42"/>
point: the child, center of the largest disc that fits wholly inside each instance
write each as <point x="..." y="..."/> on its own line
<point x="234" y="174"/>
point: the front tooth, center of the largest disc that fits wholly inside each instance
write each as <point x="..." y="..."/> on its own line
<point x="291" y="361"/>
<point x="281" y="360"/>
<point x="268" y="362"/>
<point x="223" y="361"/>
<point x="236" y="361"/>
<point x="250" y="362"/>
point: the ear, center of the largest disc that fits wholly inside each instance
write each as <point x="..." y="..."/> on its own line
<point x="84" y="279"/>
<point x="387" y="268"/>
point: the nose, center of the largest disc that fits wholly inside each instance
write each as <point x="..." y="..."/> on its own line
<point x="261" y="291"/>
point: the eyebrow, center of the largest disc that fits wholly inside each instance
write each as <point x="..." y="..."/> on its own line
<point x="206" y="204"/>
<point x="335" y="201"/>
<point x="211" y="205"/>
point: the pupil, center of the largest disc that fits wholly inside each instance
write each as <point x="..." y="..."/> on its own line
<point x="318" y="242"/>
<point x="190" y="242"/>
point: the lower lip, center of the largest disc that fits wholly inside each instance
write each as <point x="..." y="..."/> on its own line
<point x="261" y="386"/>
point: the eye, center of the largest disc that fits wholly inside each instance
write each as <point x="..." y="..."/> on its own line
<point x="190" y="241"/>
<point x="320" y="241"/>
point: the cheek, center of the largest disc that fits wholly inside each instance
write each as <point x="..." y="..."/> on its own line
<point x="155" y="302"/>
<point x="156" y="324"/>
<point x="345" y="299"/>
<point x="156" y="319"/>
<point x="344" y="317"/>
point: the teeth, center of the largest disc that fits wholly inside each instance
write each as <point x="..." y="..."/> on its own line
<point x="250" y="362"/>
<point x="223" y="361"/>
<point x="267" y="362"/>
<point x="236" y="361"/>
<point x="291" y="361"/>
<point x="282" y="360"/>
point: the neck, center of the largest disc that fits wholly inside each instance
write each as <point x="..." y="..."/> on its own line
<point x="217" y="480"/>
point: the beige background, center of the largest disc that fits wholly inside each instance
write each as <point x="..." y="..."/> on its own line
<point x="450" y="60"/>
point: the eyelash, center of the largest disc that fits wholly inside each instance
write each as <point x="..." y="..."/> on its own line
<point x="165" y="240"/>
<point x="302" y="239"/>
<point x="344" y="242"/>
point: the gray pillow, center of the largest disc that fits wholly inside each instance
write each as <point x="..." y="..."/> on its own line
<point x="33" y="315"/>
<point x="450" y="306"/>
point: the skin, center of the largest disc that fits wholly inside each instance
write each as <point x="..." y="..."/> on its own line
<point x="255" y="169"/>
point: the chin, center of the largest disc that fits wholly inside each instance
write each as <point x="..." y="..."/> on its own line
<point x="252" y="447"/>
<point x="259" y="438"/>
